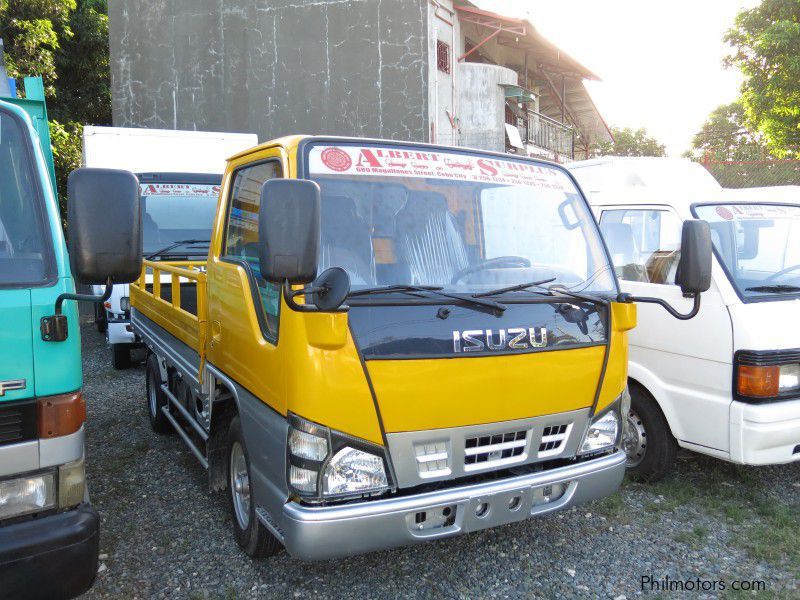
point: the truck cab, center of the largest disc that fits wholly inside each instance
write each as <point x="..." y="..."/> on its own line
<point x="392" y="343"/>
<point x="48" y="529"/>
<point x="727" y="383"/>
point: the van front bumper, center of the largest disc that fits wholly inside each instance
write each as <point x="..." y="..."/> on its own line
<point x="50" y="557"/>
<point x="765" y="434"/>
<point x="120" y="331"/>
<point x="319" y="533"/>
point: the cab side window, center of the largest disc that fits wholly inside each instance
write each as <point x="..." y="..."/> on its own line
<point x="241" y="235"/>
<point x="644" y="243"/>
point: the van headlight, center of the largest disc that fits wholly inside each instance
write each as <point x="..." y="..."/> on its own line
<point x="326" y="465"/>
<point x="764" y="376"/>
<point x="26" y="495"/>
<point x="603" y="432"/>
<point x="125" y="303"/>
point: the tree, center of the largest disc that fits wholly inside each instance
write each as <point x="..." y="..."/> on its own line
<point x="66" y="43"/>
<point x="725" y="137"/>
<point x="766" y="46"/>
<point x="630" y="142"/>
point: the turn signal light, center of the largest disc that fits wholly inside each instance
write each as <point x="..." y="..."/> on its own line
<point x="758" y="382"/>
<point x="61" y="415"/>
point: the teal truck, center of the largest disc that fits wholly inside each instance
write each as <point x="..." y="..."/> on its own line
<point x="49" y="532"/>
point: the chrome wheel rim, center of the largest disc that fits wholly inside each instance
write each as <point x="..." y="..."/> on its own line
<point x="240" y="485"/>
<point x="635" y="440"/>
<point x="152" y="399"/>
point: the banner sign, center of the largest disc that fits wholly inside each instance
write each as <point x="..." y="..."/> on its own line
<point x="739" y="212"/>
<point x="422" y="162"/>
<point x="186" y="190"/>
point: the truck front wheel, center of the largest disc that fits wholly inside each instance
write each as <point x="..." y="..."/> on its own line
<point x="156" y="399"/>
<point x="648" y="441"/>
<point x="250" y="534"/>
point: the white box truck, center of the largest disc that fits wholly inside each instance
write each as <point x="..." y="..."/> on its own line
<point x="179" y="175"/>
<point x="726" y="383"/>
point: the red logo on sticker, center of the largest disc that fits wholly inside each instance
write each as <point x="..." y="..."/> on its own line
<point x="724" y="213"/>
<point x="336" y="159"/>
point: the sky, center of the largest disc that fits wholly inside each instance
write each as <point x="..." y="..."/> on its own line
<point x="660" y="62"/>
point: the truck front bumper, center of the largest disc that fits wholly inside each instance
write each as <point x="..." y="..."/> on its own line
<point x="319" y="533"/>
<point x="50" y="557"/>
<point x="765" y="434"/>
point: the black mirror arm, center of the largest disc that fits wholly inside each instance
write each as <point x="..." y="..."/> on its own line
<point x="85" y="297"/>
<point x="289" y="295"/>
<point x="681" y="316"/>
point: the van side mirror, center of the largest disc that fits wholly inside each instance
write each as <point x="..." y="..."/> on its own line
<point x="105" y="226"/>
<point x="289" y="230"/>
<point x="104" y="219"/>
<point x="694" y="268"/>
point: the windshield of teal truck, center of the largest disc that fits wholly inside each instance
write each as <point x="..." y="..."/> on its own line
<point x="461" y="221"/>
<point x="174" y="212"/>
<point x="759" y="246"/>
<point x="25" y="249"/>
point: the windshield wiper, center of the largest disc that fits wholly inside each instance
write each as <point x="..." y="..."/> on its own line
<point x="773" y="289"/>
<point x="173" y="246"/>
<point x="428" y="289"/>
<point x="513" y="288"/>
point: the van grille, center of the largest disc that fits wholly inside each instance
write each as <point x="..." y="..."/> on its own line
<point x="17" y="422"/>
<point x="496" y="449"/>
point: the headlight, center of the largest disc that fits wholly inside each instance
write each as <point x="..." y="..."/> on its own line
<point x="767" y="375"/>
<point x="354" y="471"/>
<point x="27" y="495"/>
<point x="125" y="303"/>
<point x="602" y="433"/>
<point x="325" y="464"/>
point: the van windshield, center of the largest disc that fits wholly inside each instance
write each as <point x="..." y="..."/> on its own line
<point x="25" y="250"/>
<point x="456" y="220"/>
<point x="177" y="211"/>
<point x="759" y="245"/>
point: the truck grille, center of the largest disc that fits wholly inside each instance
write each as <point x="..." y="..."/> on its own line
<point x="493" y="450"/>
<point x="17" y="422"/>
<point x="553" y="438"/>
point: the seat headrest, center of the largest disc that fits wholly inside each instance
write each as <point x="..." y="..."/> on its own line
<point x="619" y="238"/>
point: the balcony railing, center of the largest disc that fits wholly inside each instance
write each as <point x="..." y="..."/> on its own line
<point x="548" y="134"/>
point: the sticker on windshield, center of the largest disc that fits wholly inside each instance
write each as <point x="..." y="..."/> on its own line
<point x="187" y="190"/>
<point x="408" y="162"/>
<point x="739" y="212"/>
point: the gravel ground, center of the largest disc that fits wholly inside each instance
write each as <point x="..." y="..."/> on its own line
<point x="164" y="535"/>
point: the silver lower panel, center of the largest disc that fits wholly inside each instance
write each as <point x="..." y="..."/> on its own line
<point x="320" y="533"/>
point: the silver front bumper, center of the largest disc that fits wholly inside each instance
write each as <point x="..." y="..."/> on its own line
<point x="319" y="533"/>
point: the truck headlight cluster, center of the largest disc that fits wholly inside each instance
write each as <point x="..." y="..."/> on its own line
<point x="763" y="376"/>
<point x="325" y="464"/>
<point x="60" y="488"/>
<point x="603" y="432"/>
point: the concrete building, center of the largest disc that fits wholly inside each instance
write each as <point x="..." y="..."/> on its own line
<point x="423" y="70"/>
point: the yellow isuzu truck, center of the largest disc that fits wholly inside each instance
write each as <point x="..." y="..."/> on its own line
<point x="391" y="343"/>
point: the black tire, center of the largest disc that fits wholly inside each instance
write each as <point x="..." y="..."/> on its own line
<point x="252" y="537"/>
<point x="653" y="441"/>
<point x="120" y="356"/>
<point x="100" y="317"/>
<point x="156" y="399"/>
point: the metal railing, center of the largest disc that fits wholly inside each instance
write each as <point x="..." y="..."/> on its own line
<point x="548" y="134"/>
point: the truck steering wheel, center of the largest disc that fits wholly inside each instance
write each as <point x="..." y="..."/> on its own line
<point x="508" y="262"/>
<point x="782" y="272"/>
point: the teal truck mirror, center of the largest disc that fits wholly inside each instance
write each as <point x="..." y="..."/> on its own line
<point x="105" y="237"/>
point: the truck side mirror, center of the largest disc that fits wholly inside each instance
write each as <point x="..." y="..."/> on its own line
<point x="104" y="218"/>
<point x="694" y="267"/>
<point x="289" y="230"/>
<point x="105" y="226"/>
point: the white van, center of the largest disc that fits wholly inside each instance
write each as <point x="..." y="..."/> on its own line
<point x="179" y="175"/>
<point x="726" y="383"/>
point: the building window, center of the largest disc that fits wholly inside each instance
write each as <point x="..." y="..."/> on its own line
<point x="443" y="56"/>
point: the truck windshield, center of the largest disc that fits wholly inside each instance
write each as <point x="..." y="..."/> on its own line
<point x="461" y="221"/>
<point x="25" y="250"/>
<point x="174" y="212"/>
<point x="759" y="244"/>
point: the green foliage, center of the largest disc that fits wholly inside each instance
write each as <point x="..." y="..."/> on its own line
<point x="66" y="43"/>
<point x="630" y="142"/>
<point x="766" y="49"/>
